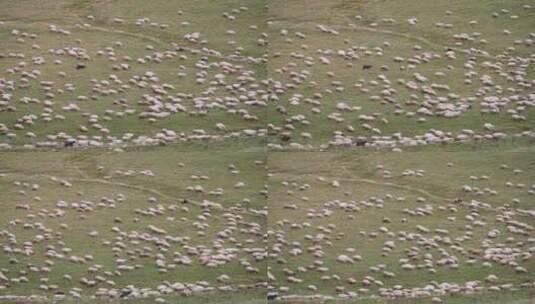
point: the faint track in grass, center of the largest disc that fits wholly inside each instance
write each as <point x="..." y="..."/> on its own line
<point x="416" y="38"/>
<point x="142" y="37"/>
<point x="387" y="184"/>
<point x="422" y="40"/>
<point x="165" y="43"/>
<point x="129" y="186"/>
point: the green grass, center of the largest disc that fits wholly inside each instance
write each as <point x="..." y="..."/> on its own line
<point x="517" y="297"/>
<point x="360" y="180"/>
<point x="104" y="33"/>
<point x="96" y="175"/>
<point x="98" y="179"/>
<point x="371" y="32"/>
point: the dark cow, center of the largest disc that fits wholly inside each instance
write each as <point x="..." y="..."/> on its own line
<point x="69" y="142"/>
<point x="125" y="293"/>
<point x="286" y="137"/>
<point x="360" y="142"/>
<point x="367" y="67"/>
<point x="80" y="66"/>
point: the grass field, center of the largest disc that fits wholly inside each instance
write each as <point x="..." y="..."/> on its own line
<point x="328" y="203"/>
<point x="239" y="151"/>
<point x="96" y="211"/>
<point x="107" y="103"/>
<point x="410" y="80"/>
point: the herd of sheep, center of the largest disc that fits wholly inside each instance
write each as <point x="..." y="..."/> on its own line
<point x="343" y="234"/>
<point x="299" y="93"/>
<point x="296" y="224"/>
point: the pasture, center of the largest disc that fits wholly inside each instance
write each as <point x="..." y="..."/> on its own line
<point x="239" y="151"/>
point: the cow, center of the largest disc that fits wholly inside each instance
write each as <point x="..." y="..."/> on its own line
<point x="360" y="142"/>
<point x="80" y="66"/>
<point x="69" y="142"/>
